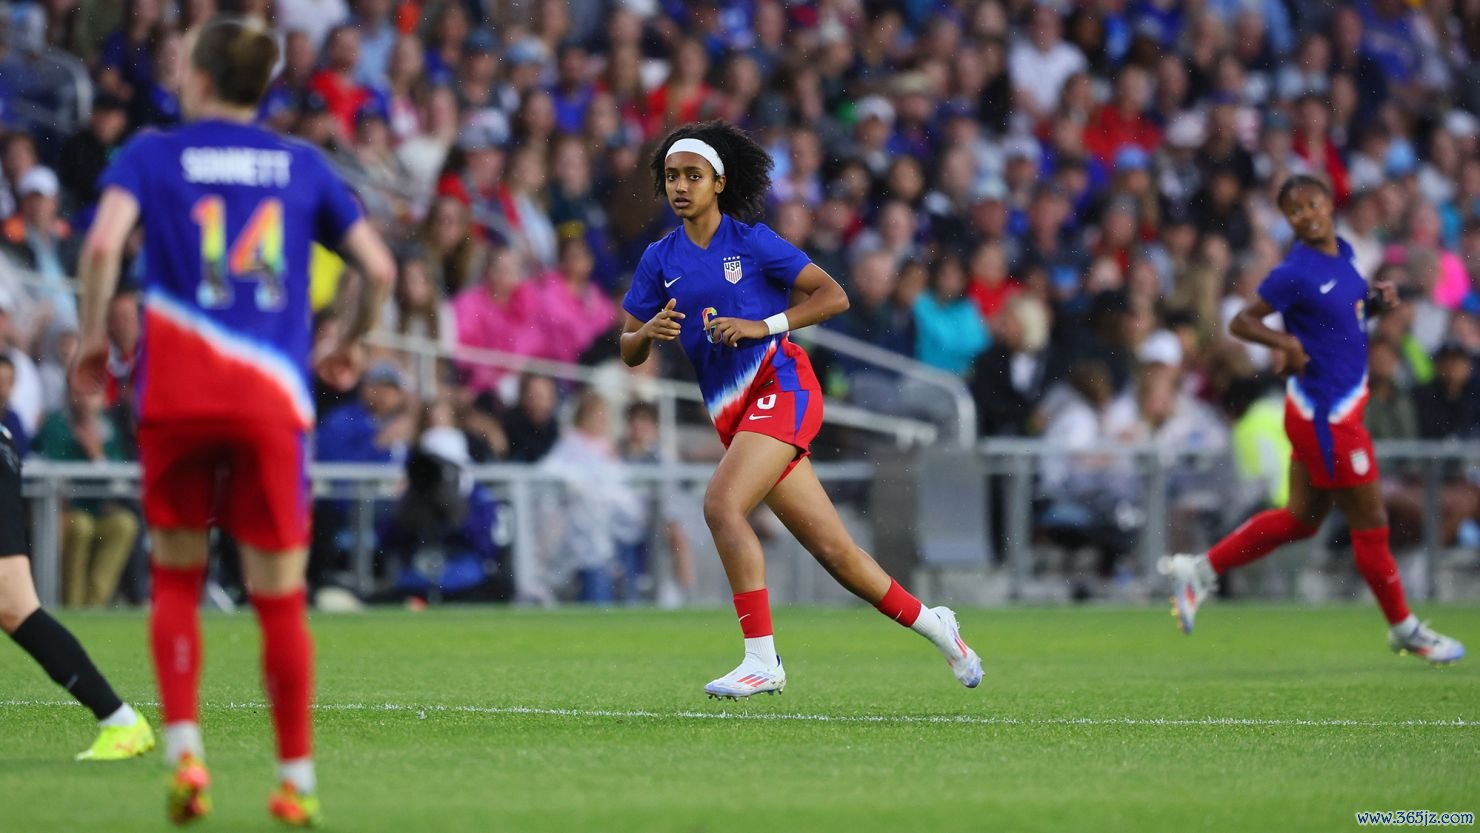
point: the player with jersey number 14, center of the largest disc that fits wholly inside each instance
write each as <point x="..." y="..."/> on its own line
<point x="229" y="213"/>
<point x="722" y="289"/>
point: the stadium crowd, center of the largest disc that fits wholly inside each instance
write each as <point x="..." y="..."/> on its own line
<point x="1063" y="203"/>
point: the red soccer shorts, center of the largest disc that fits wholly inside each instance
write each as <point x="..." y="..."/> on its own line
<point x="784" y="401"/>
<point x="249" y="477"/>
<point x="1351" y="462"/>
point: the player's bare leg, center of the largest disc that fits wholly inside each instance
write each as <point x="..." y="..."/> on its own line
<point x="179" y="568"/>
<point x="1367" y="517"/>
<point x="1195" y="576"/>
<point x="276" y="583"/>
<point x="747" y="472"/>
<point x="805" y="508"/>
<point x="123" y="733"/>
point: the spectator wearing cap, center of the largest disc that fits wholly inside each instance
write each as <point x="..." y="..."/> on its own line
<point x="336" y="82"/>
<point x="1178" y="176"/>
<point x="85" y="155"/>
<point x="1449" y="406"/>
<point x="477" y="72"/>
<point x="1041" y="62"/>
<point x="40" y="240"/>
<point x="478" y="181"/>
<point x="378" y="37"/>
<point x="316" y="18"/>
<point x="873" y="133"/>
<point x="525" y="61"/>
<point x="317" y="125"/>
<point x="1122" y="122"/>
<point x="378" y="427"/>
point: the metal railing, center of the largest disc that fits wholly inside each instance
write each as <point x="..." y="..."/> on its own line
<point x="1017" y="467"/>
<point x="426" y="352"/>
<point x="49" y="484"/>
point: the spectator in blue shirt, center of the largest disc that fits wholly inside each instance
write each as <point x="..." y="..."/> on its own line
<point x="376" y="428"/>
<point x="949" y="331"/>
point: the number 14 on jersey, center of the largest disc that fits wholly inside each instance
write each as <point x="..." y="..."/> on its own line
<point x="255" y="255"/>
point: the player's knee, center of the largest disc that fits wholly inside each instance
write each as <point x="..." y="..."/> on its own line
<point x="17" y="594"/>
<point x="836" y="555"/>
<point x="721" y="514"/>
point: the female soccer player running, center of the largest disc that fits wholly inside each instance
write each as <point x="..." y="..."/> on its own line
<point x="1325" y="304"/>
<point x="721" y="288"/>
<point x="229" y="212"/>
<point x="124" y="733"/>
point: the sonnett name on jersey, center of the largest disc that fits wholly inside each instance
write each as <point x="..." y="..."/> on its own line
<point x="237" y="166"/>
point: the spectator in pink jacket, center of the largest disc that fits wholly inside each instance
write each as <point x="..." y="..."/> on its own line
<point x="495" y="314"/>
<point x="569" y="311"/>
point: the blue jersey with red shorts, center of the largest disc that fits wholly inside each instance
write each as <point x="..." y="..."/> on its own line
<point x="766" y="386"/>
<point x="1323" y="300"/>
<point x="230" y="213"/>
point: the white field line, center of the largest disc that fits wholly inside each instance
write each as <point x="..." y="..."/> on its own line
<point x="949" y="720"/>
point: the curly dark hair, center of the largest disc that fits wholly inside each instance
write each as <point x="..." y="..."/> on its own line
<point x="1300" y="181"/>
<point x="747" y="166"/>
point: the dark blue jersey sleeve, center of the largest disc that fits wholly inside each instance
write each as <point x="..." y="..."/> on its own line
<point x="1281" y="289"/>
<point x="337" y="210"/>
<point x="646" y="294"/>
<point x="130" y="167"/>
<point x="780" y="261"/>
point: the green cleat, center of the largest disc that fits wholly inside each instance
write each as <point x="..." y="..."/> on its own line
<point x="119" y="743"/>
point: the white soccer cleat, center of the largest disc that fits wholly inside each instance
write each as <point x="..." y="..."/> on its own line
<point x="751" y="676"/>
<point x="1426" y="644"/>
<point x="965" y="663"/>
<point x="1192" y="581"/>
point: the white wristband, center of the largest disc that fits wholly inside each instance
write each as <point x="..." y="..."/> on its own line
<point x="777" y="324"/>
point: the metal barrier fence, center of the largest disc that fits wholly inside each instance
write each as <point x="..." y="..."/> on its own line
<point x="979" y="516"/>
<point x="49" y="484"/>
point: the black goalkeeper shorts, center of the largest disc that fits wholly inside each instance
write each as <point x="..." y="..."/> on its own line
<point x="13" y="539"/>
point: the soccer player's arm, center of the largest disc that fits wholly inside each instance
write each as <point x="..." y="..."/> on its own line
<point x="815" y="295"/>
<point x="101" y="259"/>
<point x="648" y="317"/>
<point x="1276" y="294"/>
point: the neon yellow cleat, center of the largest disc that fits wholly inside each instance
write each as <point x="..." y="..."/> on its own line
<point x="187" y="799"/>
<point x="294" y="809"/>
<point x="119" y="743"/>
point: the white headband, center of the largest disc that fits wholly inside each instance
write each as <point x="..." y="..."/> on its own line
<point x="700" y="147"/>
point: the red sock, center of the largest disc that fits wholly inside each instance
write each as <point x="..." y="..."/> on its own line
<point x="899" y="605"/>
<point x="1258" y="537"/>
<point x="754" y="610"/>
<point x="174" y="639"/>
<point x="1375" y="563"/>
<point x="287" y="668"/>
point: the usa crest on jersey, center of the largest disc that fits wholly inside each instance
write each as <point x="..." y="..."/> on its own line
<point x="732" y="269"/>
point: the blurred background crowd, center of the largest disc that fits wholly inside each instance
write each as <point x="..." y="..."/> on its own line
<point x="1061" y="203"/>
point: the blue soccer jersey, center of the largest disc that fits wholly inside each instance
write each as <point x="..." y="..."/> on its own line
<point x="1324" y="303"/>
<point x="230" y="213"/>
<point x="746" y="272"/>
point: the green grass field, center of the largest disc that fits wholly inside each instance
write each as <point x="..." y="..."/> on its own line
<point x="1270" y="718"/>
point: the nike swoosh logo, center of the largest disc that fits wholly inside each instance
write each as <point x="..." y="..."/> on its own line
<point x="1327" y="287"/>
<point x="667" y="284"/>
<point x="753" y="417"/>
